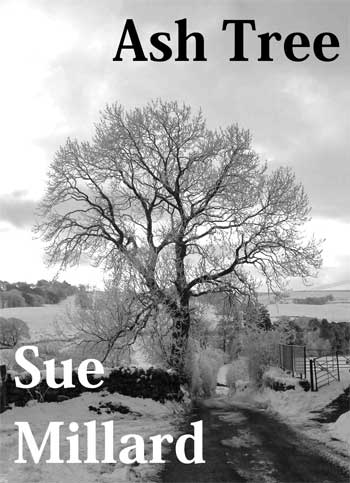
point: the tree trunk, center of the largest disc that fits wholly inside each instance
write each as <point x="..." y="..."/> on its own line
<point x="180" y="334"/>
<point x="182" y="318"/>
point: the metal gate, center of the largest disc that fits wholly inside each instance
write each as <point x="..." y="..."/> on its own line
<point x="316" y="365"/>
<point x="324" y="370"/>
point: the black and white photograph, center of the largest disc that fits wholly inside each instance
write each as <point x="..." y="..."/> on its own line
<point x="175" y="241"/>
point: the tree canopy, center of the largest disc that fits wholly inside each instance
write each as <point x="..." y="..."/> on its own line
<point x="185" y="209"/>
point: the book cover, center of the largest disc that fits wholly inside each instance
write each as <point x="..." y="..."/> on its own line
<point x="174" y="241"/>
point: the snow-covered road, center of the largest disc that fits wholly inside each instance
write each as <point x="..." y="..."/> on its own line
<point x="244" y="444"/>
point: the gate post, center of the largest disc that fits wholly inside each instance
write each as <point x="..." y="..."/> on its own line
<point x="3" y="388"/>
<point x="316" y="385"/>
<point x="311" y="376"/>
<point x="336" y="355"/>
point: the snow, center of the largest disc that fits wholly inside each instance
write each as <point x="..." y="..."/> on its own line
<point x="221" y="377"/>
<point x="341" y="428"/>
<point x="336" y="312"/>
<point x="147" y="418"/>
<point x="296" y="407"/>
<point x="278" y="375"/>
<point x="297" y="404"/>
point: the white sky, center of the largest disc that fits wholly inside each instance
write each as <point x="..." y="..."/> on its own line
<point x="57" y="72"/>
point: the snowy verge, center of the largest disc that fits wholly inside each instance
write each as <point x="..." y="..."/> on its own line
<point x="298" y="408"/>
<point x="341" y="428"/>
<point x="146" y="418"/>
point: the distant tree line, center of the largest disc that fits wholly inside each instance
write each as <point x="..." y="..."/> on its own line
<point x="317" y="334"/>
<point x="315" y="300"/>
<point x="22" y="294"/>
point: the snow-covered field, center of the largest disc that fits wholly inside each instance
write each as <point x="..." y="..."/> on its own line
<point x="147" y="418"/>
<point x="40" y="320"/>
<point x="333" y="312"/>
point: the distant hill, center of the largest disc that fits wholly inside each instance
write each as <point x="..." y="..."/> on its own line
<point x="343" y="285"/>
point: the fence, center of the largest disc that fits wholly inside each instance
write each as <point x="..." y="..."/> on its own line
<point x="316" y="365"/>
<point x="293" y="359"/>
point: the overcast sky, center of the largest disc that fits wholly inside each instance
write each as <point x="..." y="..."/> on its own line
<point x="57" y="73"/>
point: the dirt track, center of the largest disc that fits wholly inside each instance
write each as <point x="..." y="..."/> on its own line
<point x="246" y="445"/>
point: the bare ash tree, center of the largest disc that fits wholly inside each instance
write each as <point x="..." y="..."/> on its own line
<point x="185" y="209"/>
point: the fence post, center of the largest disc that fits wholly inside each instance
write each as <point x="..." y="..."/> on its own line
<point x="292" y="359"/>
<point x="3" y="393"/>
<point x="336" y="355"/>
<point x="316" y="384"/>
<point x="305" y="362"/>
<point x="311" y="376"/>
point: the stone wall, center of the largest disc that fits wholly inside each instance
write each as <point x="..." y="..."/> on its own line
<point x="153" y="383"/>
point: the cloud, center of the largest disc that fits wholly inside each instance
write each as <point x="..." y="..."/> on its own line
<point x="336" y="276"/>
<point x="17" y="210"/>
<point x="297" y="112"/>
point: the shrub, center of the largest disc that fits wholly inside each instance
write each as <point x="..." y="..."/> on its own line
<point x="261" y="349"/>
<point x="231" y="377"/>
<point x="237" y="371"/>
<point x="278" y="380"/>
<point x="201" y="367"/>
<point x="33" y="300"/>
<point x="12" y="330"/>
<point x="208" y="374"/>
<point x="12" y="298"/>
<point x="304" y="383"/>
